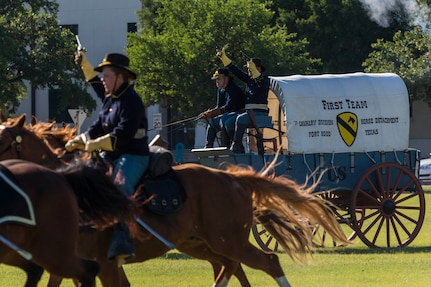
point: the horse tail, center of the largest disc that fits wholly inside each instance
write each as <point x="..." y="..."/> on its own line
<point x="288" y="210"/>
<point x="99" y="198"/>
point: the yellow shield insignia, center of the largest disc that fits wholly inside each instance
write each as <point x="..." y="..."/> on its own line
<point x="347" y="124"/>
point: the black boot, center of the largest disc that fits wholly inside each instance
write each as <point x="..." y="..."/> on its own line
<point x="211" y="135"/>
<point x="121" y="246"/>
<point x="237" y="146"/>
<point x="225" y="140"/>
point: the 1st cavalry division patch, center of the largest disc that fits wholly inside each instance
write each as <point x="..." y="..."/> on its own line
<point x="347" y="124"/>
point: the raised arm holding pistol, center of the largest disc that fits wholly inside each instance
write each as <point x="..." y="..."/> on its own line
<point x="81" y="60"/>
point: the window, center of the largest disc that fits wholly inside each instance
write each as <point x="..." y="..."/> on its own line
<point x="73" y="28"/>
<point x="54" y="113"/>
<point x="131" y="27"/>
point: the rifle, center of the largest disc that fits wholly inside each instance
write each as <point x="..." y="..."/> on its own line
<point x="218" y="46"/>
<point x="247" y="57"/>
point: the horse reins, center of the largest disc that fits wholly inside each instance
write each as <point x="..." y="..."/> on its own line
<point x="195" y="118"/>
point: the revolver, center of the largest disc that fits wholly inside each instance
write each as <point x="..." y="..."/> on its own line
<point x="80" y="47"/>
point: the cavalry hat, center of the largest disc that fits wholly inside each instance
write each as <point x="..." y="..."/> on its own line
<point x="116" y="60"/>
<point x="223" y="72"/>
<point x="258" y="63"/>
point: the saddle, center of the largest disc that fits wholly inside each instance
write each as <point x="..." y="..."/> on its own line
<point x="160" y="185"/>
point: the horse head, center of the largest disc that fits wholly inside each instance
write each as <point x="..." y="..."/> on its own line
<point x="17" y="141"/>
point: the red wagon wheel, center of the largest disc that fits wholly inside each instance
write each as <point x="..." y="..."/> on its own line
<point x="392" y="203"/>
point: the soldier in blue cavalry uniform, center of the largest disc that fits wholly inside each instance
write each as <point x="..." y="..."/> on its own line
<point x="256" y="97"/>
<point x="120" y="131"/>
<point x="230" y="101"/>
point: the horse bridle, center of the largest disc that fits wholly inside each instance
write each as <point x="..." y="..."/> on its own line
<point x="16" y="142"/>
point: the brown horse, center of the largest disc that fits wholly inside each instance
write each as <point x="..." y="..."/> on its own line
<point x="216" y="218"/>
<point x="40" y="217"/>
<point x="93" y="243"/>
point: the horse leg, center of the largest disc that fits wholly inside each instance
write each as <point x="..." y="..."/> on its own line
<point x="109" y="277"/>
<point x="257" y="259"/>
<point x="34" y="273"/>
<point x="123" y="278"/>
<point x="83" y="270"/>
<point x="223" y="267"/>
<point x="112" y="276"/>
<point x="94" y="244"/>
<point x="88" y="278"/>
<point x="219" y="272"/>
<point x="54" y="280"/>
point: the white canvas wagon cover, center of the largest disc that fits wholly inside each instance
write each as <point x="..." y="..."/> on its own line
<point x="356" y="112"/>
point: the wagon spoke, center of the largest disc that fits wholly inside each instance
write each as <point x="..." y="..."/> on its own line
<point x="406" y="217"/>
<point x="374" y="188"/>
<point x="371" y="225"/>
<point x="371" y="215"/>
<point x="369" y="196"/>
<point x="402" y="190"/>
<point x="413" y="195"/>
<point x="409" y="207"/>
<point x="402" y="225"/>
<point x="388" y="192"/>
<point x="379" y="228"/>
<point x="396" y="182"/>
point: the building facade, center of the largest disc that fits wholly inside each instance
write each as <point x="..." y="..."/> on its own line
<point x="102" y="26"/>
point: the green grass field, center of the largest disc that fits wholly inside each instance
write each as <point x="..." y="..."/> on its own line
<point x="353" y="266"/>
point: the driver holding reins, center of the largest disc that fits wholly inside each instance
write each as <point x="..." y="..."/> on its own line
<point x="120" y="131"/>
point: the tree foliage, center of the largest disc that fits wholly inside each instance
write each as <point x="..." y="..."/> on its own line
<point x="408" y="55"/>
<point x="340" y="32"/>
<point x="36" y="50"/>
<point x="174" y="53"/>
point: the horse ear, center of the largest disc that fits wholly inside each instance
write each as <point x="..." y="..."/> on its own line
<point x="33" y="120"/>
<point x="2" y="117"/>
<point x="21" y="120"/>
<point x="51" y="125"/>
<point x="74" y="129"/>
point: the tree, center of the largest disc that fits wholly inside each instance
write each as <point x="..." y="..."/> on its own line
<point x="174" y="54"/>
<point x="35" y="49"/>
<point x="340" y="32"/>
<point x="408" y="55"/>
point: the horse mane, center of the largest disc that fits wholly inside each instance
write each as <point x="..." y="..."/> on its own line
<point x="50" y="132"/>
<point x="38" y="134"/>
<point x="65" y="132"/>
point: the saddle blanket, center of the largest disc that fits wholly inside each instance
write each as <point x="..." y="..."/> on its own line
<point x="165" y="193"/>
<point x="15" y="204"/>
